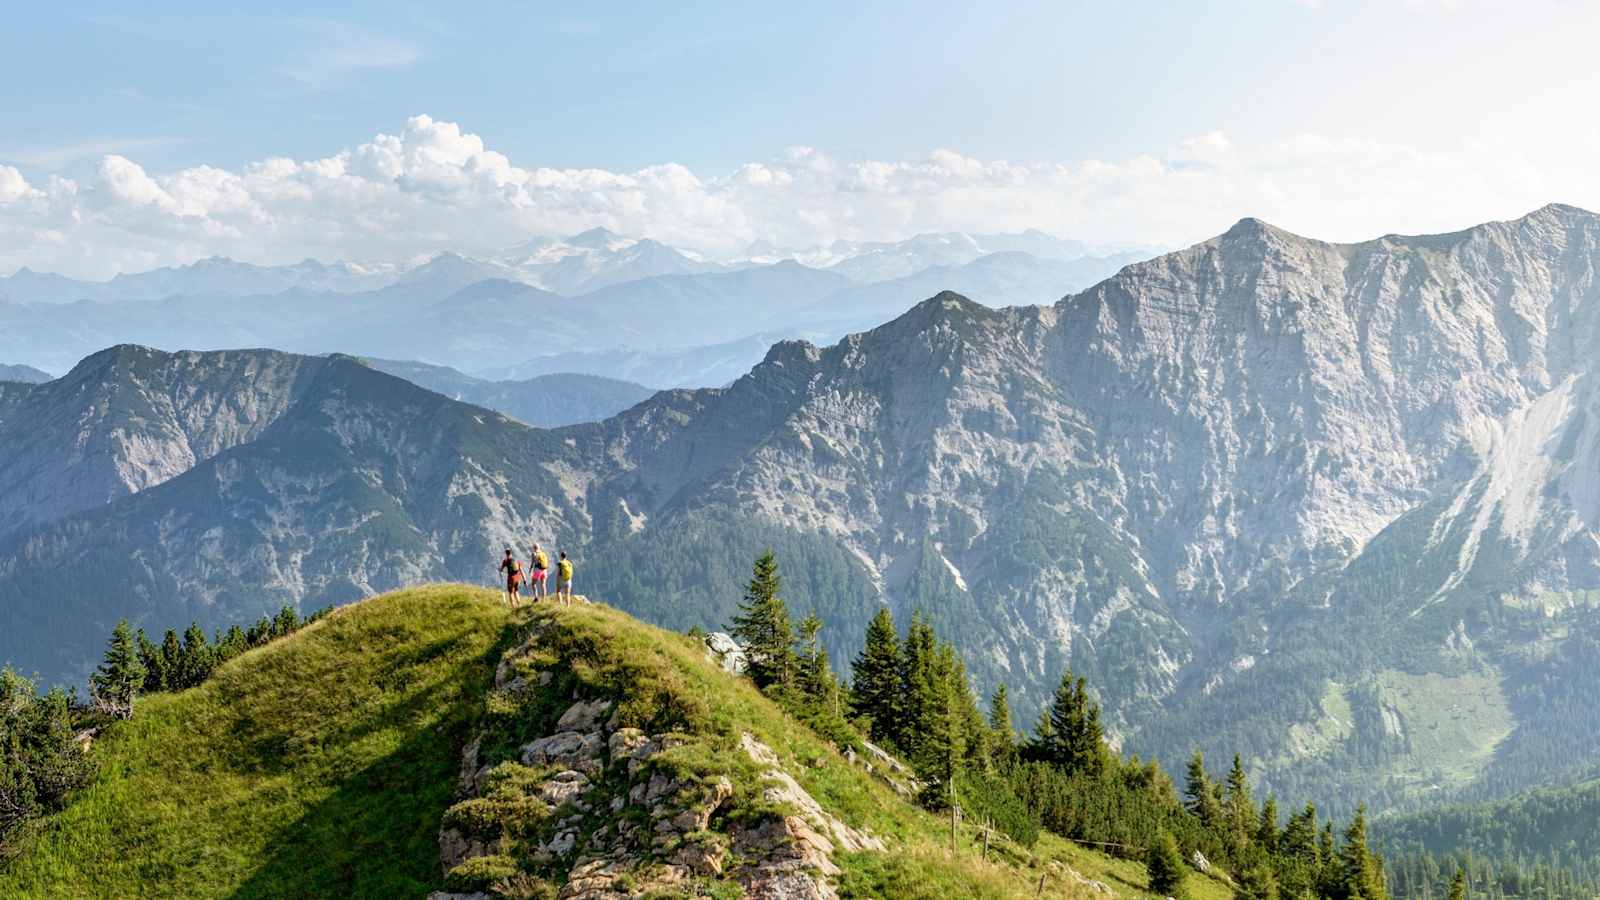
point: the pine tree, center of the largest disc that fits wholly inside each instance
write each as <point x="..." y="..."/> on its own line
<point x="943" y="744"/>
<point x="1200" y="794"/>
<point x="763" y="627"/>
<point x="120" y="675"/>
<point x="1002" y="738"/>
<point x="155" y="672"/>
<point x="197" y="656"/>
<point x="1240" y="809"/>
<point x="817" y="683"/>
<point x="1164" y="863"/>
<point x="172" y="661"/>
<point x="1360" y="877"/>
<point x="1074" y="742"/>
<point x="285" y="623"/>
<point x="1267" y="828"/>
<point x="1458" y="885"/>
<point x="919" y="688"/>
<point x="875" y="679"/>
<point x="1256" y="882"/>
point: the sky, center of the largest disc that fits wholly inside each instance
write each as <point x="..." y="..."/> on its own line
<point x="143" y="137"/>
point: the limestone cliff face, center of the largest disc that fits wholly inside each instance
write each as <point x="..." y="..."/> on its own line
<point x="129" y="418"/>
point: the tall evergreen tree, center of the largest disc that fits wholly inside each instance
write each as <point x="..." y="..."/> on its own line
<point x="921" y="690"/>
<point x="1267" y="829"/>
<point x="197" y="656"/>
<point x="1002" y="736"/>
<point x="1458" y="885"/>
<point x="763" y="627"/>
<point x="155" y="670"/>
<point x="172" y="661"/>
<point x="1361" y="877"/>
<point x="1165" y="866"/>
<point x="1240" y="809"/>
<point x="942" y="746"/>
<point x="1075" y="742"/>
<point x="1200" y="794"/>
<point x="817" y="683"/>
<point x="1257" y="882"/>
<point x="875" y="688"/>
<point x="120" y="676"/>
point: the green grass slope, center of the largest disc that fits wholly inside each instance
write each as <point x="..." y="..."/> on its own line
<point x="318" y="765"/>
<point x="324" y="764"/>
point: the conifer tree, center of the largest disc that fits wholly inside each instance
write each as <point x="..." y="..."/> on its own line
<point x="920" y="689"/>
<point x="1267" y="829"/>
<point x="1200" y="794"/>
<point x="1075" y="739"/>
<point x="943" y="738"/>
<point x="1256" y="882"/>
<point x="1002" y="737"/>
<point x="118" y="679"/>
<point x="1360" y="876"/>
<point x="1458" y="885"/>
<point x="197" y="656"/>
<point x="155" y="672"/>
<point x="1164" y="863"/>
<point x="817" y="683"/>
<point x="763" y="627"/>
<point x="172" y="661"/>
<point x="1240" y="808"/>
<point x="875" y="690"/>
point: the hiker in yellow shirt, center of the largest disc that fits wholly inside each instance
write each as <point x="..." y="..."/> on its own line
<point x="564" y="580"/>
<point x="539" y="566"/>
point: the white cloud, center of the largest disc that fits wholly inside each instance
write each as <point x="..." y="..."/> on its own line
<point x="433" y="186"/>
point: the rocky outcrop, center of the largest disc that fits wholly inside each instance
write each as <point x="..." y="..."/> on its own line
<point x="598" y="810"/>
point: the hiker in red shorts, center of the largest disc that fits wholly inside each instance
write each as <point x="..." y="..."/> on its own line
<point x="513" y="570"/>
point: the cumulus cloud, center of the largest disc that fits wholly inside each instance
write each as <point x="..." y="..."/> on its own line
<point x="433" y="186"/>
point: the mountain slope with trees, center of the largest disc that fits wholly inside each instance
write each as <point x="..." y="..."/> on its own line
<point x="1328" y="506"/>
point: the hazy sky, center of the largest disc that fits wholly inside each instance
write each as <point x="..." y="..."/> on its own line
<point x="179" y="131"/>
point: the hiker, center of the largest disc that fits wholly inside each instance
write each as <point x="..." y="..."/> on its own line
<point x="539" y="567"/>
<point x="564" y="580"/>
<point x="513" y="570"/>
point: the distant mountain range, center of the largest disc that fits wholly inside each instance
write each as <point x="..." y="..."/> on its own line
<point x="594" y="298"/>
<point x="23" y="374"/>
<point x="1332" y="506"/>
<point x="547" y="400"/>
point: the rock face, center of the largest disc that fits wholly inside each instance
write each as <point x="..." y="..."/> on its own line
<point x="1244" y="487"/>
<point x="726" y="652"/>
<point x="600" y="813"/>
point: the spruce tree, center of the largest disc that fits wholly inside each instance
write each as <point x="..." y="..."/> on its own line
<point x="1002" y="737"/>
<point x="1267" y="829"/>
<point x="763" y="627"/>
<point x="817" y="683"/>
<point x="172" y="661"/>
<point x="1200" y="794"/>
<point x="1164" y="863"/>
<point x="875" y="679"/>
<point x="197" y="656"/>
<point x="942" y="743"/>
<point x="1360" y="876"/>
<point x="155" y="672"/>
<point x="920" y="690"/>
<point x="1458" y="885"/>
<point x="1256" y="882"/>
<point x="1240" y="809"/>
<point x="118" y="679"/>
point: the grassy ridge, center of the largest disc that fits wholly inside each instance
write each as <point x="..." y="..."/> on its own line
<point x="319" y="763"/>
<point x="322" y="764"/>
